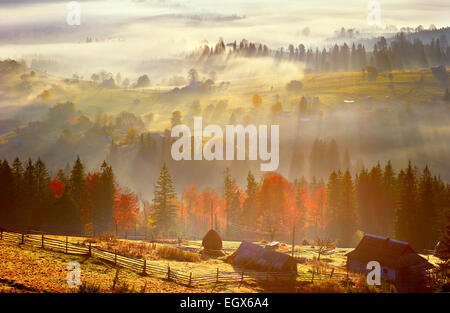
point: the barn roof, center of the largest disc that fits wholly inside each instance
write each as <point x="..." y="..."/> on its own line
<point x="389" y="252"/>
<point x="250" y="255"/>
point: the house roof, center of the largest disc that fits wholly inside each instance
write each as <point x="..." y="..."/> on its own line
<point x="389" y="252"/>
<point x="253" y="256"/>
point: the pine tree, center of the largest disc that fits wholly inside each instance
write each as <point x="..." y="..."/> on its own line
<point x="106" y="198"/>
<point x="6" y="194"/>
<point x="42" y="179"/>
<point x="347" y="219"/>
<point x="376" y="212"/>
<point x="29" y="195"/>
<point x="442" y="204"/>
<point x="64" y="215"/>
<point x="164" y="208"/>
<point x="42" y="192"/>
<point x="249" y="212"/>
<point x="61" y="176"/>
<point x="405" y="212"/>
<point x="389" y="185"/>
<point x="333" y="160"/>
<point x="229" y="195"/>
<point x="333" y="194"/>
<point x="363" y="200"/>
<point x="443" y="250"/>
<point x="77" y="179"/>
<point x="77" y="187"/>
<point x="427" y="218"/>
<point x="18" y="172"/>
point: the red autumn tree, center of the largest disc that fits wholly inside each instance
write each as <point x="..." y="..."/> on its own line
<point x="302" y="200"/>
<point x="315" y="209"/>
<point x="57" y="187"/>
<point x="277" y="204"/>
<point x="126" y="209"/>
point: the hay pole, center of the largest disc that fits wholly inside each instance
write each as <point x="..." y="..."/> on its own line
<point x="168" y="272"/>
<point x="242" y="279"/>
<point x="42" y="241"/>
<point x="217" y="276"/>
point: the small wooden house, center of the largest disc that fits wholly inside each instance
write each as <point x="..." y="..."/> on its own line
<point x="398" y="260"/>
<point x="252" y="256"/>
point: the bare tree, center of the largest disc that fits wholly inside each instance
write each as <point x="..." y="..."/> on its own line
<point x="323" y="245"/>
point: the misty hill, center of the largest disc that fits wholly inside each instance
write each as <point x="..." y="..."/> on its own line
<point x="397" y="115"/>
<point x="400" y="51"/>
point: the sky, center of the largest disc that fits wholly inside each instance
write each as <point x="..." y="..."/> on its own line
<point x="151" y="29"/>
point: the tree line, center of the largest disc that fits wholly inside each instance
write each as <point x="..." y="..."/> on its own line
<point x="410" y="205"/>
<point x="73" y="202"/>
<point x="395" y="54"/>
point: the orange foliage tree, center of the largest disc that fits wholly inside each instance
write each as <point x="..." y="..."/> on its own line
<point x="315" y="210"/>
<point x="196" y="210"/>
<point x="278" y="208"/>
<point x="125" y="209"/>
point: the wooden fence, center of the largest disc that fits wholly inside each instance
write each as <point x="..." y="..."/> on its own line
<point x="147" y="268"/>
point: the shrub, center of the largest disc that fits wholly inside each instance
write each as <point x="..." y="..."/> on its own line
<point x="294" y="85"/>
<point x="173" y="253"/>
<point x="88" y="288"/>
<point x="130" y="248"/>
<point x="327" y="286"/>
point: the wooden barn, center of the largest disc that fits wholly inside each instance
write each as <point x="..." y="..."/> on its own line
<point x="399" y="262"/>
<point x="252" y="256"/>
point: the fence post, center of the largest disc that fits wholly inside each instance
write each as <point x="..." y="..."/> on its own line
<point x="23" y="238"/>
<point x="145" y="266"/>
<point x="168" y="272"/>
<point x="312" y="278"/>
<point x="42" y="241"/>
<point x="1" y="234"/>
<point x="242" y="277"/>
<point x="217" y="276"/>
<point x="190" y="278"/>
<point x="67" y="242"/>
<point x="90" y="250"/>
<point x="332" y="271"/>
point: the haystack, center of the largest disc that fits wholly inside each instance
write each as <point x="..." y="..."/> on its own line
<point x="212" y="241"/>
